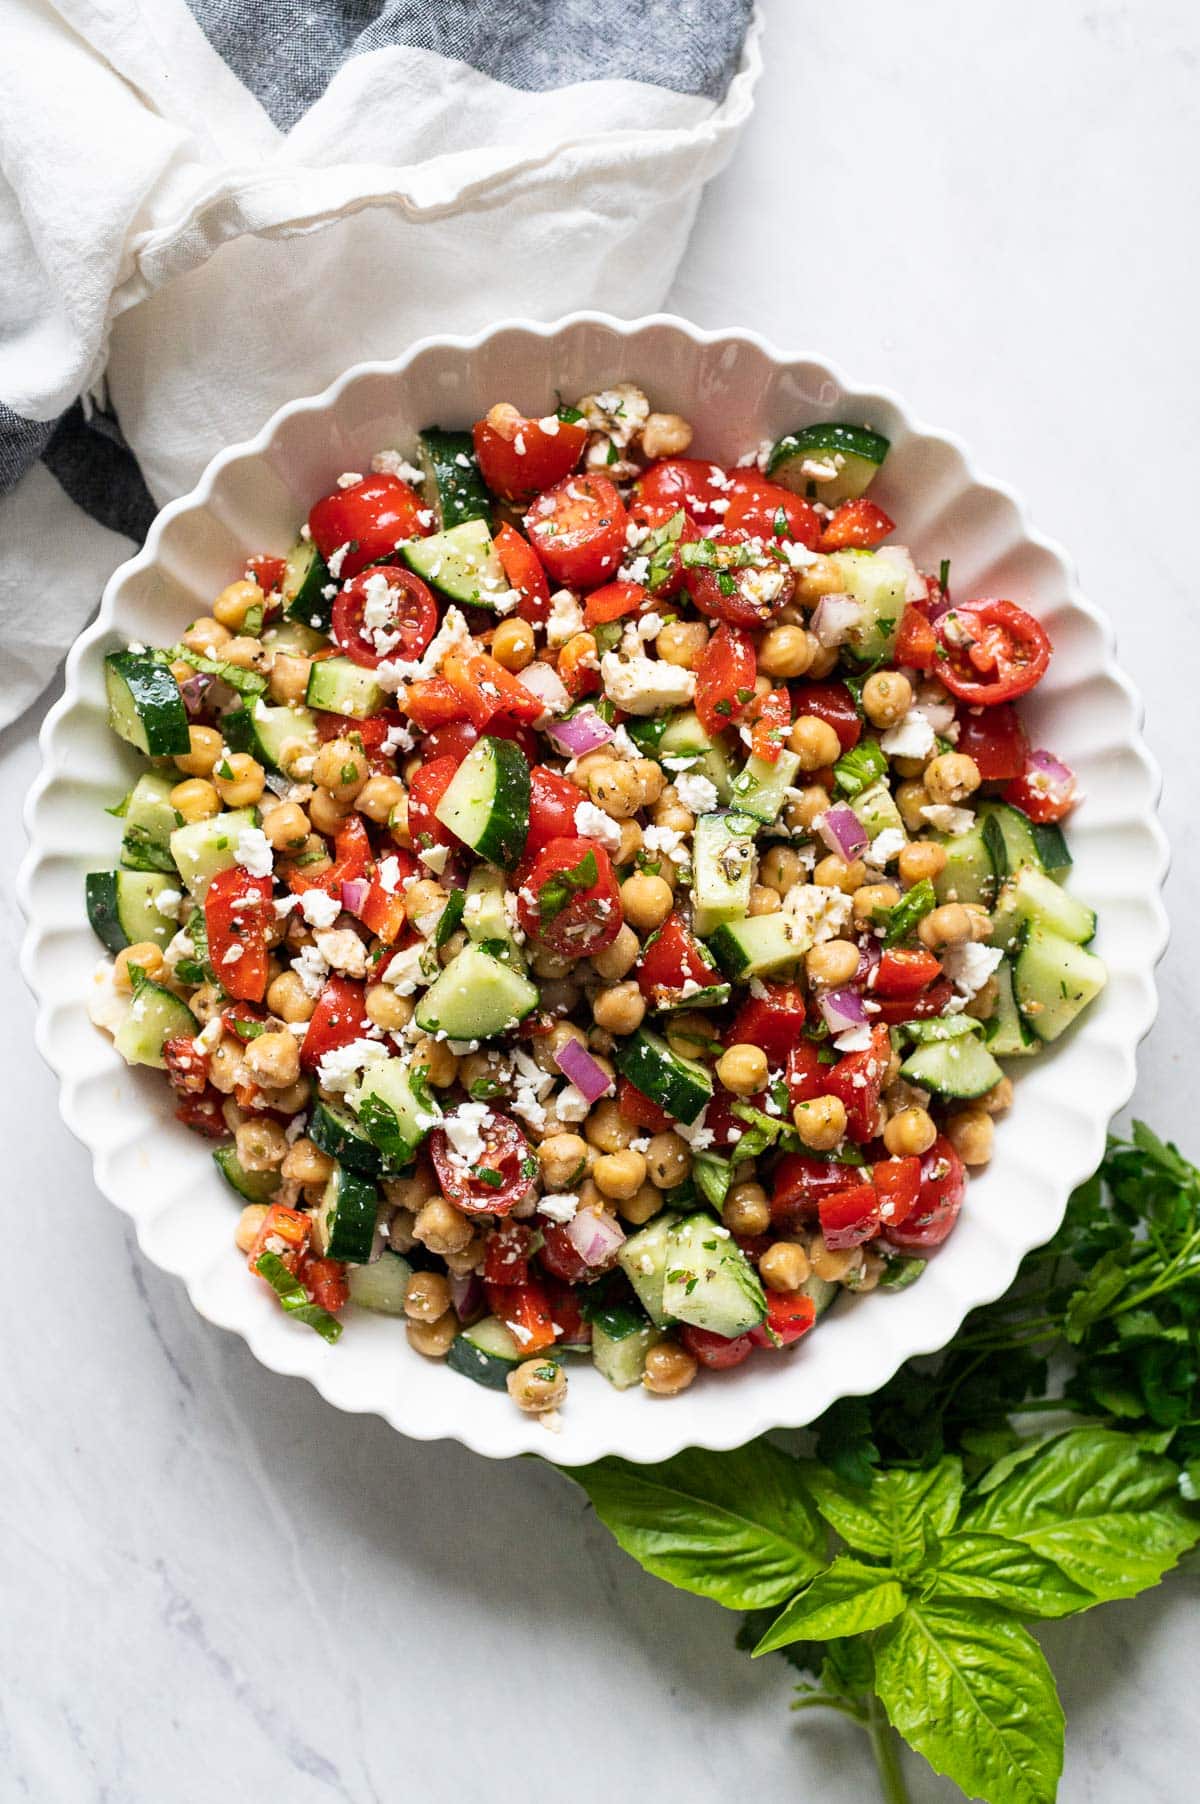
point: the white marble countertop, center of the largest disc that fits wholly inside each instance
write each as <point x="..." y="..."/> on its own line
<point x="214" y="1585"/>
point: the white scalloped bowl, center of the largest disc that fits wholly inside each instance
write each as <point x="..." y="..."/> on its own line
<point x="736" y="390"/>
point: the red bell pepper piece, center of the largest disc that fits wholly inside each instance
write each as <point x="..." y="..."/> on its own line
<point x="339" y="1017"/>
<point x="790" y="1314"/>
<point x="237" y="913"/>
<point x="850" y="1216"/>
<point x="525" y="1311"/>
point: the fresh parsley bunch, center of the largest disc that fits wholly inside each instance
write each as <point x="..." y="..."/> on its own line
<point x="897" y="1567"/>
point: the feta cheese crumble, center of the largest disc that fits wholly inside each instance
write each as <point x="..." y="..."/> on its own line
<point x="592" y="823"/>
<point x="253" y="852"/>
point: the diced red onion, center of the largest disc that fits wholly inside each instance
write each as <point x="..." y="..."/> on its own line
<point x="1060" y="774"/>
<point x="842" y="831"/>
<point x="936" y="609"/>
<point x="355" y="891"/>
<point x="869" y="954"/>
<point x="842" y="1009"/>
<point x="579" y="734"/>
<point x="595" y="1238"/>
<point x="194" y="689"/>
<point x="589" y="1078"/>
<point x="835" y="618"/>
<point x="466" y="1294"/>
<point x="546" y="684"/>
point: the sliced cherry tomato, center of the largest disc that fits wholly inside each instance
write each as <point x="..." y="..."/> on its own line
<point x="525" y="1311"/>
<point x="559" y="1254"/>
<point x="904" y="974"/>
<point x="772" y="717"/>
<point x="518" y="457"/>
<point x="716" y="1351"/>
<point x="725" y="678"/>
<point x="325" y="1282"/>
<point x="507" y="1252"/>
<point x="745" y="594"/>
<point x="187" y="1065"/>
<point x="790" y="1315"/>
<point x="856" y="525"/>
<point x="613" y="602"/>
<point x="412" y="616"/>
<point x="237" y="916"/>
<point x="858" y="1079"/>
<point x="996" y="740"/>
<point x="670" y="530"/>
<point x="850" y="1216"/>
<point x="916" y="641"/>
<point x="578" y="530"/>
<point x="553" y="800"/>
<point x="372" y="731"/>
<point x="289" y="1226"/>
<point x="923" y="1007"/>
<point x="768" y="512"/>
<point x="671" y="959"/>
<point x="566" y="1315"/>
<point x="496" y="1181"/>
<point x="832" y="703"/>
<point x="268" y="572"/>
<point x="681" y="482"/>
<point x="487" y="689"/>
<point x="425" y="791"/>
<point x="204" y="1114"/>
<point x="456" y="737"/>
<point x="993" y="651"/>
<point x="370" y="518"/>
<point x="898" y="1185"/>
<point x="943" y="1186"/>
<point x="432" y="702"/>
<point x="570" y="900"/>
<point x="772" y="1021"/>
<point x="525" y="575"/>
<point x="634" y="1106"/>
<point x="1044" y="790"/>
<point x="339" y="1017"/>
<point x="807" y="1072"/>
<point x="801" y="1181"/>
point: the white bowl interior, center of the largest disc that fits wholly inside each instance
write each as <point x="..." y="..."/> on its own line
<point x="736" y="392"/>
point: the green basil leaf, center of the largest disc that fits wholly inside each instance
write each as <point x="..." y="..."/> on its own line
<point x="1005" y="1572"/>
<point x="970" y="1690"/>
<point x="1105" y="1511"/>
<point x="849" y="1599"/>
<point x="557" y="890"/>
<point x="895" y="1516"/>
<point x="730" y="1526"/>
<point x="294" y="1298"/>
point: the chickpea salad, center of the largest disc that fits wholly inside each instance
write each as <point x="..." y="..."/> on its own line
<point x="586" y="891"/>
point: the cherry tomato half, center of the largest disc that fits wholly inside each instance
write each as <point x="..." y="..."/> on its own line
<point x="578" y="530"/>
<point x="372" y="516"/>
<point x="493" y="1183"/>
<point x="553" y="800"/>
<point x="681" y="482"/>
<point x="716" y="1351"/>
<point x="993" y="649"/>
<point x="790" y="1315"/>
<point x="744" y="594"/>
<point x="672" y="958"/>
<point x="832" y="703"/>
<point x="772" y="1021"/>
<point x="411" y="616"/>
<point x="725" y="678"/>
<point x="943" y="1186"/>
<point x="856" y="525"/>
<point x="770" y="512"/>
<point x="570" y="900"/>
<point x="996" y="740"/>
<point x="518" y="457"/>
<point x="1045" y="788"/>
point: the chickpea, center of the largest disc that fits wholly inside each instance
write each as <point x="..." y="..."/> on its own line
<point x="287" y="998"/>
<point x="746" y="1209"/>
<point x="743" y="1069"/>
<point x="433" y="1339"/>
<point x="631" y="843"/>
<point x="832" y="962"/>
<point x="505" y="419"/>
<point x="814" y="742"/>
<point x="235" y="602"/>
<point x="998" y="1098"/>
<point x="971" y="1133"/>
<point x="467" y="1259"/>
<point x="646" y="900"/>
<point x="427" y="1298"/>
<point x="294" y="1098"/>
<point x="387" y="1009"/>
<point x="641" y="1207"/>
<point x="669" y="811"/>
<point x="980" y="920"/>
<point x="620" y="1009"/>
<point x="764" y="900"/>
<point x="513" y="644"/>
<point x="669" y="1369"/>
<point x="146" y="956"/>
<point x="886" y="697"/>
<point x="665" y="435"/>
<point x="296" y="759"/>
<point x="247" y="654"/>
<point x="288" y="681"/>
<point x="615" y="787"/>
<point x="911" y="798"/>
<point x="818" y="578"/>
<point x="586" y="765"/>
<point x="681" y="642"/>
<point x="305" y="1163"/>
<point x="650" y="781"/>
<point x="341" y="768"/>
<point x="949" y="925"/>
<point x="328" y="815"/>
<point x="195" y="800"/>
<point x="824" y="660"/>
<point x="835" y="1266"/>
<point x="909" y="1133"/>
<point x="206" y="1003"/>
<point x="820" y="1123"/>
<point x="608" y="1130"/>
<point x="835" y="873"/>
<point x="951" y="777"/>
<point x="261" y="1144"/>
<point x="869" y="898"/>
<point x="563" y="1159"/>
<point x="378" y="797"/>
<point x="785" y="652"/>
<point x="983" y="1003"/>
<point x="537" y="1386"/>
<point x="207" y="636"/>
<point x="273" y="1060"/>
<point x="923" y="861"/>
<point x="441" y="1227"/>
<point x="548" y="1046"/>
<point x="690" y="1035"/>
<point x="206" y="745"/>
<point x="286" y="827"/>
<point x="411" y="1194"/>
<point x="424" y="899"/>
<point x="781" y="869"/>
<point x="668" y="1160"/>
<point x="784" y="1266"/>
<point x="441" y="1066"/>
<point x="620" y="1175"/>
<point x="239" y="779"/>
<point x="249" y="1226"/>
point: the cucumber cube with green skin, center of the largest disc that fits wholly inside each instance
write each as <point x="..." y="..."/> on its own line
<point x="461" y="563"/>
<point x="680" y="1086"/>
<point x="203" y="848"/>
<point x="880" y="581"/>
<point x="621" y="1339"/>
<point x="487" y="1353"/>
<point x="476" y="997"/>
<point x="382" y="1285"/>
<point x="339" y="686"/>
<point x="1006" y="1033"/>
<point x="251" y="1186"/>
<point x="877" y="812"/>
<point x="150" y="818"/>
<point x="121" y="908"/>
<point x="396" y="1114"/>
<point x="453" y="480"/>
<point x="643" y="1259"/>
<point x="760" y="944"/>
<point x="968" y="875"/>
<point x="306" y="578"/>
<point x="832" y="461"/>
<point x="155" y="1016"/>
<point x="486" y="802"/>
<point x="145" y="707"/>
<point x="345" y="1223"/>
<point x="264" y="732"/>
<point x="722" y="869"/>
<point x="709" y="1281"/>
<point x="1054" y="980"/>
<point x="762" y="787"/>
<point x="960" y="1067"/>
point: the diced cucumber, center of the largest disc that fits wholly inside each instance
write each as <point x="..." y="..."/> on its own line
<point x="462" y="564"/>
<point x="294" y="639"/>
<point x="485" y="915"/>
<point x="682" y="735"/>
<point x="254" y="1186"/>
<point x="880" y="581"/>
<point x="396" y="1112"/>
<point x="155" y="1016"/>
<point x="877" y="812"/>
<point x="680" y="1086"/>
<point x="339" y="686"/>
<point x="760" y="944"/>
<point x="453" y="482"/>
<point x="120" y="906"/>
<point x="854" y="453"/>
<point x="243" y="682"/>
<point x="709" y="1281"/>
<point x="761" y="787"/>
<point x="145" y="707"/>
<point x="1010" y="839"/>
<point x="486" y="1352"/>
<point x="1006" y="1033"/>
<point x="476" y="997"/>
<point x="150" y="818"/>
<point x="1051" y="848"/>
<point x="822" y="1292"/>
<point x="643" y="1259"/>
<point x="203" y="848"/>
<point x="304" y="584"/>
<point x="968" y="875"/>
<point x="264" y="732"/>
<point x="1054" y="980"/>
<point x="1038" y="899"/>
<point x="345" y="1220"/>
<point x="621" y="1339"/>
<point x="941" y="1027"/>
<point x="340" y="1134"/>
<point x="960" y="1067"/>
<point x="382" y="1285"/>
<point x="486" y="803"/>
<point x="722" y="869"/>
